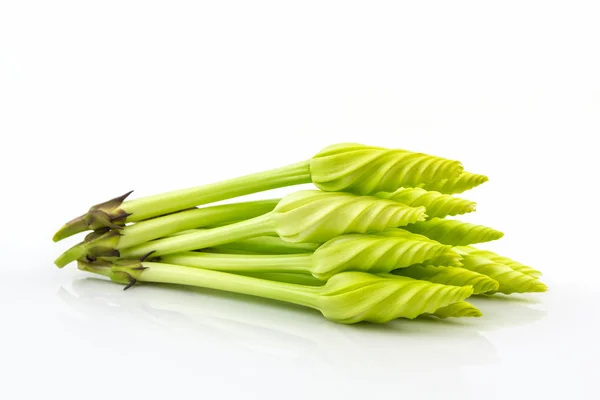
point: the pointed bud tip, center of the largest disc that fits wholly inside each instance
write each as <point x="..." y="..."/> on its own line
<point x="539" y="287"/>
<point x="474" y="313"/>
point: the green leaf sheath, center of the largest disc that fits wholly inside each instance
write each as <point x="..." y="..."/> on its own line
<point x="287" y="277"/>
<point x="297" y="263"/>
<point x="104" y="269"/>
<point x="268" y="245"/>
<point x="118" y="211"/>
<point x="490" y="255"/>
<point x="304" y="216"/>
<point x="348" y="297"/>
<point x="455" y="185"/>
<point x="457" y="310"/>
<point x="315" y="216"/>
<point x="455" y="276"/>
<point x="361" y="169"/>
<point x="453" y="232"/>
<point x="155" y="228"/>
<point x="368" y="253"/>
<point x="108" y="244"/>
<point x="435" y="203"/>
<point x="510" y="281"/>
<point x="259" y="245"/>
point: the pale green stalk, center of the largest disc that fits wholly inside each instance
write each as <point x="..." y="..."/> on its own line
<point x="347" y="167"/>
<point x="354" y="252"/>
<point x="348" y="297"/>
<point x="304" y="216"/>
<point x="116" y="212"/>
<point x="287" y="277"/>
<point x="110" y="243"/>
<point x="454" y="232"/>
<point x="266" y="245"/>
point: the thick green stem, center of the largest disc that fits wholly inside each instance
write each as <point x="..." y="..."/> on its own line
<point x="145" y="231"/>
<point x="269" y="245"/>
<point x="152" y="206"/>
<point x="176" y="274"/>
<point x="116" y="212"/>
<point x="201" y="239"/>
<point x="109" y="244"/>
<point x="242" y="263"/>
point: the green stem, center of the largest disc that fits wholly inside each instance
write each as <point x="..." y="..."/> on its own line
<point x="152" y="206"/>
<point x="258" y="226"/>
<point x="242" y="263"/>
<point x="108" y="244"/>
<point x="179" y="275"/>
<point x="269" y="245"/>
<point x="287" y="277"/>
<point x="145" y="231"/>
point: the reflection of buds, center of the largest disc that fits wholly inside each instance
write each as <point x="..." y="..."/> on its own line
<point x="364" y="169"/>
<point x="197" y="319"/>
<point x="350" y="297"/>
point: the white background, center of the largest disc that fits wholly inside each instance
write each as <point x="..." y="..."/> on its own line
<point x="97" y="98"/>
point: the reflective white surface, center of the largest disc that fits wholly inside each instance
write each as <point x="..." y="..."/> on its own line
<point x="97" y="99"/>
<point x="83" y="336"/>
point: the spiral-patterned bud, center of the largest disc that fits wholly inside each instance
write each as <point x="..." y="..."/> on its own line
<point x="490" y="255"/>
<point x="435" y="203"/>
<point x="374" y="254"/>
<point x="361" y="169"/>
<point x="448" y="259"/>
<point x="463" y="182"/>
<point x="457" y="310"/>
<point x="315" y="216"/>
<point x="351" y="297"/>
<point x="451" y="276"/>
<point x="510" y="281"/>
<point x="453" y="232"/>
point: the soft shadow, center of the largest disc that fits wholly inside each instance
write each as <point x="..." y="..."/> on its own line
<point x="500" y="311"/>
<point x="402" y="346"/>
<point x="531" y="298"/>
